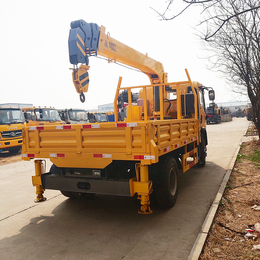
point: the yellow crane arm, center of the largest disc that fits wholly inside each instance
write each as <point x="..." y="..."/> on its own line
<point x="88" y="39"/>
<point x="119" y="52"/>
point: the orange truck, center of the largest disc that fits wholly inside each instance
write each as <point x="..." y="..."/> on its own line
<point x="163" y="135"/>
<point x="35" y="116"/>
<point x="11" y="125"/>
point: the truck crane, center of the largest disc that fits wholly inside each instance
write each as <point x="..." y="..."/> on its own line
<point x="163" y="134"/>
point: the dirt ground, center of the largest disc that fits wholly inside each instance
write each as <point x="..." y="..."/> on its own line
<point x="235" y="232"/>
<point x="6" y="157"/>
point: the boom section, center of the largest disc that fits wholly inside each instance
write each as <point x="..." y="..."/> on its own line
<point x="88" y="39"/>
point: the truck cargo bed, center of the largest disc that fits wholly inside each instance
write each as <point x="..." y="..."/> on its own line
<point x="96" y="145"/>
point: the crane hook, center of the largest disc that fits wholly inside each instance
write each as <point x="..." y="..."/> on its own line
<point x="82" y="97"/>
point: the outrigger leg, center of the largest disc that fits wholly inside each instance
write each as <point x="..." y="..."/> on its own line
<point x="144" y="196"/>
<point x="36" y="180"/>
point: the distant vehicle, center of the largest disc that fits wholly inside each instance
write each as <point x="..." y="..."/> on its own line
<point x="41" y="116"/>
<point x="11" y="124"/>
<point x="249" y="114"/>
<point x="98" y="117"/>
<point x="240" y="113"/>
<point x="226" y="115"/>
<point x="74" y="116"/>
<point x="213" y="115"/>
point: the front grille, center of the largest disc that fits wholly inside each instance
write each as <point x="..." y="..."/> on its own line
<point x="11" y="134"/>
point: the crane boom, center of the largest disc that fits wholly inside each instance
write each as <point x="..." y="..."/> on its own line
<point x="88" y="39"/>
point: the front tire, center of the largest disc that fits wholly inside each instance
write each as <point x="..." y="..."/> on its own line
<point x="202" y="153"/>
<point x="166" y="190"/>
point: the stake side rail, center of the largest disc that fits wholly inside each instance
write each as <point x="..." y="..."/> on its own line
<point x="97" y="145"/>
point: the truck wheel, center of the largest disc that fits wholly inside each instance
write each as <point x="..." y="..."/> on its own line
<point x="202" y="152"/>
<point x="166" y="191"/>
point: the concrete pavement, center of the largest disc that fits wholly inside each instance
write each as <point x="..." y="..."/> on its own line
<point x="109" y="227"/>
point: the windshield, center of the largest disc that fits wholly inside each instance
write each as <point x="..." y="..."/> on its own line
<point x="78" y="115"/>
<point x="101" y="117"/>
<point x="11" y="116"/>
<point x="47" y="114"/>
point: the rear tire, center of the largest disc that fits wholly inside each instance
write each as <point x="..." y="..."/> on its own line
<point x="166" y="190"/>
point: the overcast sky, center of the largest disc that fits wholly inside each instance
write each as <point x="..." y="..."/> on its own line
<point x="34" y="54"/>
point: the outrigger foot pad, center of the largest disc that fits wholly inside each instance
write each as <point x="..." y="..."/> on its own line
<point x="145" y="210"/>
<point x="40" y="199"/>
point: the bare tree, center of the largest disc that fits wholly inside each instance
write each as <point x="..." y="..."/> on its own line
<point x="173" y="10"/>
<point x="235" y="43"/>
<point x="231" y="30"/>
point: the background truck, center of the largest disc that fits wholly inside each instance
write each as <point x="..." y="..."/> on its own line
<point x="163" y="133"/>
<point x="240" y="113"/>
<point x="213" y="114"/>
<point x="11" y="124"/>
<point x="35" y="116"/>
<point x="98" y="117"/>
<point x="226" y="115"/>
<point x="74" y="116"/>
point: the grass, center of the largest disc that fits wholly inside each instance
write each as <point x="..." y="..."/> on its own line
<point x="254" y="157"/>
<point x="240" y="157"/>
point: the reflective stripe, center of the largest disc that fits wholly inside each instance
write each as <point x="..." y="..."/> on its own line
<point x="166" y="149"/>
<point x="191" y="152"/>
<point x="100" y="155"/>
<point x="177" y="145"/>
<point x="57" y="155"/>
<point x="149" y="157"/>
<point x="30" y="155"/>
<point x="126" y="124"/>
<point x="144" y="157"/>
<point x="91" y="126"/>
<point x="64" y="127"/>
<point x="36" y="128"/>
<point x="191" y="164"/>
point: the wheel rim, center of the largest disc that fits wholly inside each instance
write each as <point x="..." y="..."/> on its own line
<point x="173" y="182"/>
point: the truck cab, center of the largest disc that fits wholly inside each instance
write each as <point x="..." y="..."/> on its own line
<point x="100" y="117"/>
<point x="41" y="116"/>
<point x="74" y="116"/>
<point x="11" y="124"/>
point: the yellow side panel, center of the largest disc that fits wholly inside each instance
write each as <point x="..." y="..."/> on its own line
<point x="104" y="138"/>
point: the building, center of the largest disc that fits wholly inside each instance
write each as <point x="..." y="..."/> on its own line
<point x="19" y="105"/>
<point x="233" y="106"/>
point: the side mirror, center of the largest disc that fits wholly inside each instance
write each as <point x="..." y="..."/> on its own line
<point x="211" y="95"/>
